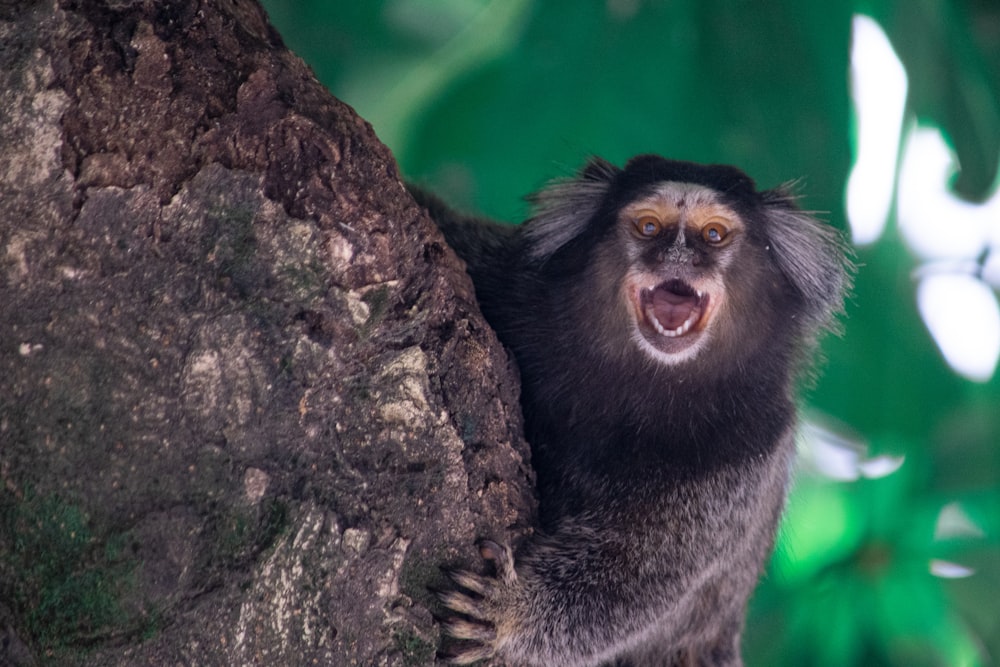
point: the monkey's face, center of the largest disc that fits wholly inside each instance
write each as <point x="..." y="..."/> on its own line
<point x="682" y="260"/>
<point x="680" y="240"/>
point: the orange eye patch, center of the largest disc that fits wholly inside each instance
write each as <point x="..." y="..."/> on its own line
<point x="647" y="226"/>
<point x="715" y="233"/>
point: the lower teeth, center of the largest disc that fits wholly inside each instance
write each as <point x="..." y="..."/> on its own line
<point x="669" y="333"/>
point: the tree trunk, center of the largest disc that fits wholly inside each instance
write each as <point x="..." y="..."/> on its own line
<point x="247" y="402"/>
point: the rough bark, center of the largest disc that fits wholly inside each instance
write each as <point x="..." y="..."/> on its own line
<point x="247" y="402"/>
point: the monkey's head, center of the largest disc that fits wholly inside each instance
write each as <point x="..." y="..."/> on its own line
<point x="685" y="260"/>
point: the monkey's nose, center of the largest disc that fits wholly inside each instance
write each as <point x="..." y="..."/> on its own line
<point x="678" y="254"/>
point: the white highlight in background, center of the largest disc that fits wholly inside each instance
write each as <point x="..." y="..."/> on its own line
<point x="840" y="457"/>
<point x="949" y="570"/>
<point x="935" y="223"/>
<point x="963" y="317"/>
<point x="878" y="86"/>
<point x="953" y="522"/>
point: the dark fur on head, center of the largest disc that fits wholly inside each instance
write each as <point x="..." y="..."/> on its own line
<point x="662" y="457"/>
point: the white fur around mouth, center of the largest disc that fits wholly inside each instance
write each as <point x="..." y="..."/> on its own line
<point x="679" y="331"/>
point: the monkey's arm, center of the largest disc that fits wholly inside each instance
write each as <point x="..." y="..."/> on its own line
<point x="568" y="601"/>
<point x="593" y="590"/>
<point x="658" y="578"/>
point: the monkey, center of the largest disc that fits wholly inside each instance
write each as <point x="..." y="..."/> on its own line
<point x="661" y="315"/>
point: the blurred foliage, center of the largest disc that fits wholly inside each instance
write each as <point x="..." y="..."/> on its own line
<point x="486" y="100"/>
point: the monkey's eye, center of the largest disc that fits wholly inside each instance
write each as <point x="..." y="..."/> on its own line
<point x="648" y="226"/>
<point x="715" y="233"/>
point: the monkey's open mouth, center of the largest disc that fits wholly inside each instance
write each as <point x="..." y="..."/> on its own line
<point x="673" y="307"/>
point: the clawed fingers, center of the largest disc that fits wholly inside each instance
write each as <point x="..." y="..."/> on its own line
<point x="502" y="557"/>
<point x="461" y="603"/>
<point x="470" y="582"/>
<point x="490" y="550"/>
<point x="479" y="632"/>
<point x="466" y="655"/>
<point x="480" y="636"/>
<point x="478" y="603"/>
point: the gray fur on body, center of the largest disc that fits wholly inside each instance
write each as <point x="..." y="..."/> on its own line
<point x="661" y="477"/>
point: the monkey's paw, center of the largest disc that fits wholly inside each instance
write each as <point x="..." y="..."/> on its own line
<point x="486" y="607"/>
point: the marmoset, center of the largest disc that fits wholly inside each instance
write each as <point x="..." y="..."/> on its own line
<point x="660" y="315"/>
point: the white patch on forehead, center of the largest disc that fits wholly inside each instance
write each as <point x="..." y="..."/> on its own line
<point x="685" y="195"/>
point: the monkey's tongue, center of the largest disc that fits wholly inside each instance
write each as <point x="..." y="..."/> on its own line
<point x="672" y="308"/>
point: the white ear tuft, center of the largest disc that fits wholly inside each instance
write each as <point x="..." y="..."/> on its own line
<point x="810" y="254"/>
<point x="564" y="207"/>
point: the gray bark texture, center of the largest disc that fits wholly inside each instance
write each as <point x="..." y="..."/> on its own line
<point x="248" y="404"/>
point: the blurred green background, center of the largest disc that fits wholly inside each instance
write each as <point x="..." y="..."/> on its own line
<point x="889" y="114"/>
